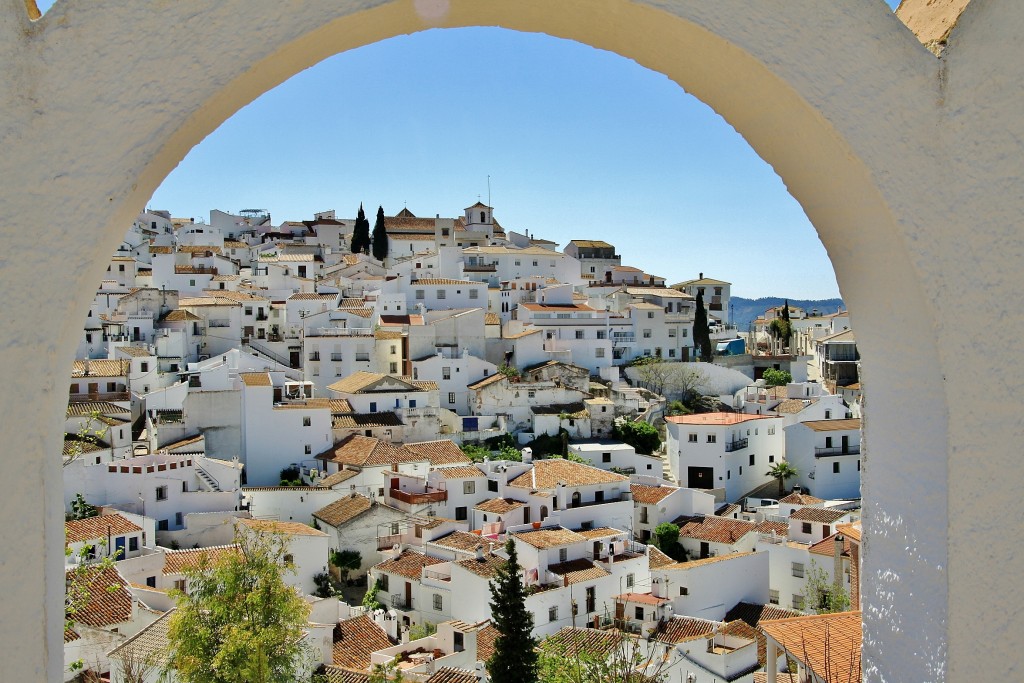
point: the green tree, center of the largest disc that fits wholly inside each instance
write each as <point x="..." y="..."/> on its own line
<point x="515" y="655"/>
<point x="777" y="378"/>
<point x="701" y="332"/>
<point x="640" y="435"/>
<point x="239" y="622"/>
<point x="380" y="236"/>
<point x="666" y="535"/>
<point x="782" y="471"/>
<point x="360" y="233"/>
<point x="346" y="561"/>
<point x="81" y="509"/>
<point x="822" y="596"/>
<point x="370" y="601"/>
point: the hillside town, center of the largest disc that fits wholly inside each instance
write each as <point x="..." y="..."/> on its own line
<point x="403" y="404"/>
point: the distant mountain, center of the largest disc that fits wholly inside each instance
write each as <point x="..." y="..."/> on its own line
<point x="744" y="311"/>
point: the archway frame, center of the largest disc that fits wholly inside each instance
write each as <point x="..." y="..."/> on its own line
<point x="103" y="99"/>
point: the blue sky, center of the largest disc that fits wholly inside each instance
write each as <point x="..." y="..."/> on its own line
<point x="578" y="143"/>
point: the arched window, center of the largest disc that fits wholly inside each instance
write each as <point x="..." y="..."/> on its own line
<point x="575" y="499"/>
<point x="543" y="512"/>
<point x="483" y="217"/>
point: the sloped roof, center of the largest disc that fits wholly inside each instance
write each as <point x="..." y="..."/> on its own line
<point x="148" y="645"/>
<point x="680" y="629"/>
<point x="105" y="596"/>
<point x="367" y="451"/>
<point x="341" y="511"/>
<point x="355" y="640"/>
<point x="439" y="452"/>
<point x="570" y="641"/>
<point x="548" y="473"/>
<point x="805" y="638"/>
<point x="80" y="530"/>
<point x="820" y="515"/>
<point x="180" y="561"/>
<point x="643" y="493"/>
<point x="716" y="529"/>
<point x="552" y="537"/>
<point x="409" y="564"/>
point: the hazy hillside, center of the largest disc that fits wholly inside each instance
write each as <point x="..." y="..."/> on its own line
<point x="745" y="310"/>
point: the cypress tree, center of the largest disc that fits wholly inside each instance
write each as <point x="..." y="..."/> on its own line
<point x="701" y="333"/>
<point x="360" y="233"/>
<point x="515" y="656"/>
<point x="380" y="236"/>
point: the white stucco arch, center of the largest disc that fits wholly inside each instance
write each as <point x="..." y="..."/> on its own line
<point x="894" y="155"/>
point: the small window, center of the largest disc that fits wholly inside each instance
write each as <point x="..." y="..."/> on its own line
<point x="798" y="602"/>
<point x="144" y="366"/>
<point x="161" y="492"/>
<point x="606" y="457"/>
<point x="163" y="525"/>
<point x="563" y="554"/>
<point x="693" y="438"/>
<point x="441" y="294"/>
<point x="133" y="543"/>
<point x="178" y="519"/>
<point x="798" y="570"/>
<point x="828" y="414"/>
<point x="393" y="368"/>
<point x="461" y="513"/>
<point x="438" y="602"/>
<point x="805" y="527"/>
<point x="151" y="581"/>
<point x="373" y="406"/>
<point x="179" y="584"/>
<point x="638" y="613"/>
<point x="599" y="352"/>
<point x="552" y="614"/>
<point x="446" y="373"/>
<point x="771" y="458"/>
<point x="835" y="468"/>
<point x="751" y="459"/>
<point x="308" y="449"/>
<point x="307" y="421"/>
<point x="382" y="581"/>
<point x="420" y="294"/>
<point x="492" y="485"/>
<point x="469" y="487"/>
<point x="451" y="397"/>
<point x="712" y="438"/>
<point x="579" y="334"/>
<point x="531" y="393"/>
<point x="647" y="334"/>
<point x="773" y="597"/>
<point x="630" y="580"/>
<point x="474" y="294"/>
<point x="683" y="590"/>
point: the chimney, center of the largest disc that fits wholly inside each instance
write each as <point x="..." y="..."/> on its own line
<point x="527" y="454"/>
<point x="837" y="557"/>
<point x="479" y="552"/>
<point x="701" y="276"/>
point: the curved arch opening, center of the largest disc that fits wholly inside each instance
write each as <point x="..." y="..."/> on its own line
<point x="779" y="106"/>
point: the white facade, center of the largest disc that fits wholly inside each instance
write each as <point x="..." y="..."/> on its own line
<point x="826" y="455"/>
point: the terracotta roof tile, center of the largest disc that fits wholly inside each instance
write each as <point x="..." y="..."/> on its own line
<point x="599" y="532"/>
<point x="447" y="674"/>
<point x="409" y="564"/>
<point x="805" y="639"/>
<point x="101" y="368"/>
<point x="366" y="420"/>
<point x="367" y="451"/>
<point x="440" y="452"/>
<point x="255" y="379"/>
<point x="461" y="472"/>
<point x="821" y="515"/>
<point x="103" y="597"/>
<point x="641" y="598"/>
<point x="341" y="511"/>
<point x="464" y="541"/>
<point x="336" y="674"/>
<point x="716" y="529"/>
<point x="487" y="567"/>
<point x="355" y="640"/>
<point x="337" y="478"/>
<point x="715" y="418"/>
<point x="650" y="494"/>
<point x="827" y="546"/>
<point x="832" y="425"/>
<point x="148" y="645"/>
<point x="499" y="506"/>
<point x="754" y="614"/>
<point x="766" y="527"/>
<point x="180" y="561"/>
<point x="80" y="530"/>
<point x="571" y="642"/>
<point x="487" y="381"/>
<point x="576" y="571"/>
<point x="801" y="499"/>
<point x="274" y="526"/>
<point x="681" y="629"/>
<point x="552" y="537"/>
<point x="547" y="474"/>
<point x="657" y="559"/>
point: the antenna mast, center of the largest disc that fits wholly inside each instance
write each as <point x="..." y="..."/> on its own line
<point x="489" y="194"/>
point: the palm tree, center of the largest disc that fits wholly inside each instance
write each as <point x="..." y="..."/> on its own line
<point x="782" y="471"/>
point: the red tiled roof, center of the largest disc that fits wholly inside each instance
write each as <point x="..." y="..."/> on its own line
<point x="80" y="530"/>
<point x="355" y="640"/>
<point x="341" y="511"/>
<point x="100" y="596"/>
<point x="716" y="529"/>
<point x="650" y="494"/>
<point x="806" y="638"/>
<point x="409" y="564"/>
<point x="821" y="515"/>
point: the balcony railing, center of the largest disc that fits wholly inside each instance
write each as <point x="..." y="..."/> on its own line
<point x="362" y="357"/>
<point x="479" y="268"/>
<point x="340" y="332"/>
<point x="838" y="450"/>
<point x="736" y="445"/>
<point x="623" y="338"/>
<point x="314" y="355"/>
<point x="419" y="498"/>
<point x="336" y="356"/>
<point x="401" y="602"/>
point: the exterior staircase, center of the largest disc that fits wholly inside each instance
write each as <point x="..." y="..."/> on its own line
<point x="208" y="482"/>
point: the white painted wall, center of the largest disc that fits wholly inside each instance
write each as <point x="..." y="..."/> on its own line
<point x="872" y="148"/>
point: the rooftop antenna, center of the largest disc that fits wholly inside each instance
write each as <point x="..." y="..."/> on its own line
<point x="489" y="191"/>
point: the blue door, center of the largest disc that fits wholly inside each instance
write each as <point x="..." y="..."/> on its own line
<point x="119" y="548"/>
